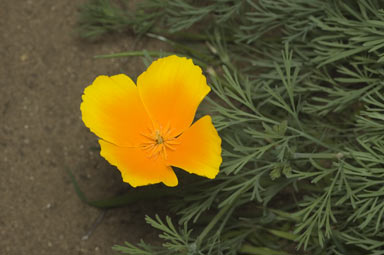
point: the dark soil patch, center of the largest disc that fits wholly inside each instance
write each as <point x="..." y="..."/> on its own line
<point x="44" y="69"/>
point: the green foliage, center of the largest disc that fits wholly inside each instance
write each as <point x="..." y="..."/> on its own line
<point x="298" y="101"/>
<point x="98" y="17"/>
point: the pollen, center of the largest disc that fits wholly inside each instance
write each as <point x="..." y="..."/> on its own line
<point x="159" y="138"/>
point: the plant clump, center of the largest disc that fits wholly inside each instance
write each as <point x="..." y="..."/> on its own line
<point x="298" y="100"/>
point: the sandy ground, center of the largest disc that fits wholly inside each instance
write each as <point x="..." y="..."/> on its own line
<point x="44" y="68"/>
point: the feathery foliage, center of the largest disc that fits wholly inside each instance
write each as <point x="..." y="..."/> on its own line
<point x="298" y="99"/>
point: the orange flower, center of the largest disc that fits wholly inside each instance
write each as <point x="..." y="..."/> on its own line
<point x="146" y="129"/>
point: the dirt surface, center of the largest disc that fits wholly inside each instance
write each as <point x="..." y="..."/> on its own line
<point x="44" y="68"/>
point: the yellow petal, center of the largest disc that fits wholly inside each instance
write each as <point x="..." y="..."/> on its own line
<point x="112" y="109"/>
<point x="198" y="149"/>
<point x="136" y="167"/>
<point x="171" y="90"/>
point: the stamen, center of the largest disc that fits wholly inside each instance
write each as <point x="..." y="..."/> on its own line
<point x="169" y="146"/>
<point x="147" y="136"/>
<point x="150" y="147"/>
<point x="167" y="130"/>
<point x="159" y="142"/>
<point x="172" y="141"/>
<point x="164" y="153"/>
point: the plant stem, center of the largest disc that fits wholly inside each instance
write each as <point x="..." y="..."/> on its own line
<point x="212" y="224"/>
<point x="319" y="155"/>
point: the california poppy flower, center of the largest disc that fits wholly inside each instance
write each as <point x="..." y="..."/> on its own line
<point x="146" y="129"/>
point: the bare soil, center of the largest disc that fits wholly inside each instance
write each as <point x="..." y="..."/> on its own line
<point x="44" y="68"/>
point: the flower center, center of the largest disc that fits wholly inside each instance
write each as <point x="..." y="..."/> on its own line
<point x="159" y="138"/>
<point x="158" y="142"/>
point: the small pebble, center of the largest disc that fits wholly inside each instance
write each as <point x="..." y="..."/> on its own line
<point x="24" y="57"/>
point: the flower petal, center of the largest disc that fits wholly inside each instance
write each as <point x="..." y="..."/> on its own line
<point x="171" y="90"/>
<point x="112" y="109"/>
<point x="198" y="149"/>
<point x="136" y="167"/>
